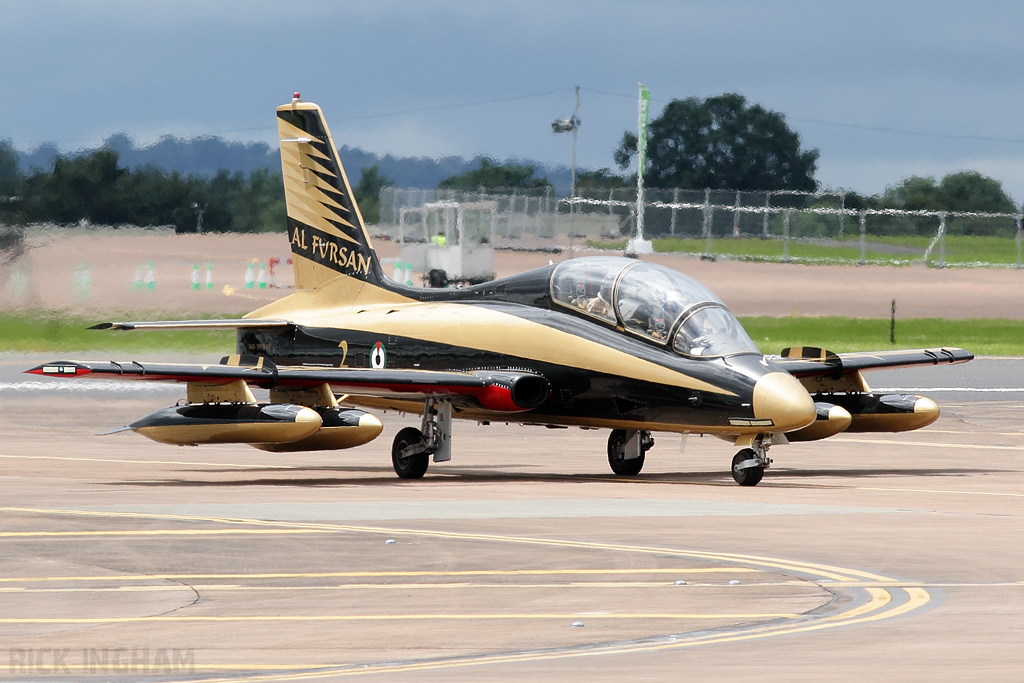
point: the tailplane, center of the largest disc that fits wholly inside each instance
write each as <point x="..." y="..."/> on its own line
<point x="328" y="237"/>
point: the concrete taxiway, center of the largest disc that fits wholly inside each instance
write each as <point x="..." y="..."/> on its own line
<point x="864" y="557"/>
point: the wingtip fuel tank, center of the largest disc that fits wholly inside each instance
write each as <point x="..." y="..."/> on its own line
<point x="342" y="428"/>
<point x="191" y="425"/>
<point x="277" y="427"/>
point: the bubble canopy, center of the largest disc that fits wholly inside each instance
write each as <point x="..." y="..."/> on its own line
<point x="653" y="302"/>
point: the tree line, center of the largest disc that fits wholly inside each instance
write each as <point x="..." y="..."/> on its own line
<point x="720" y="142"/>
<point x="95" y="188"/>
<point x="726" y="143"/>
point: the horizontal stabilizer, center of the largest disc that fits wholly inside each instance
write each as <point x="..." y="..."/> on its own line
<point x="221" y="324"/>
<point x="126" y="428"/>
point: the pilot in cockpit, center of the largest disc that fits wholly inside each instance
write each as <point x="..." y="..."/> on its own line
<point x="601" y="304"/>
<point x="698" y="331"/>
<point x="580" y="297"/>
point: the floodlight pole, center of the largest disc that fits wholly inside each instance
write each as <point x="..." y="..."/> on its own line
<point x="638" y="245"/>
<point x="572" y="170"/>
<point x="200" y="210"/>
<point x="575" y="131"/>
<point x="565" y="126"/>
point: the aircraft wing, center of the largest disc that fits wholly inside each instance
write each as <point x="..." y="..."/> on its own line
<point x="810" y="362"/>
<point x="497" y="390"/>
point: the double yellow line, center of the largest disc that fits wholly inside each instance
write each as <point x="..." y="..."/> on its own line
<point x="886" y="597"/>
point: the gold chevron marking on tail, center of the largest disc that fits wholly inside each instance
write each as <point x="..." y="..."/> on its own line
<point x="292" y="134"/>
<point x="318" y="202"/>
<point x="314" y="219"/>
<point x="301" y="151"/>
<point x="305" y="191"/>
<point x="310" y="205"/>
<point x="305" y="210"/>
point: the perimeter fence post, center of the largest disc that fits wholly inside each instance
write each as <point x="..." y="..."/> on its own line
<point x="736" y="217"/>
<point x="675" y="200"/>
<point x="707" y="221"/>
<point x="785" y="236"/>
<point x="863" y="232"/>
<point x="536" y="221"/>
<point x="842" y="212"/>
<point x="1019" y="238"/>
<point x="767" y="207"/>
<point x="942" y="239"/>
<point x="611" y="202"/>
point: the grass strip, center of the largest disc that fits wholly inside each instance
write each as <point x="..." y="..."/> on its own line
<point x="955" y="250"/>
<point x="981" y="336"/>
<point x="56" y="333"/>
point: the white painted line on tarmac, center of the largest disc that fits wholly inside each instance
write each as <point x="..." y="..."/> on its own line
<point x="82" y="386"/>
<point x="979" y="390"/>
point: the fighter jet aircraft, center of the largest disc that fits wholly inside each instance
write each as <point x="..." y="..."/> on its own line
<point x="596" y="343"/>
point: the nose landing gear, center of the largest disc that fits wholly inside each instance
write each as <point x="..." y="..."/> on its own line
<point x="749" y="464"/>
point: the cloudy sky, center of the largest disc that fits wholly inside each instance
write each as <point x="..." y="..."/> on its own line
<point x="883" y="89"/>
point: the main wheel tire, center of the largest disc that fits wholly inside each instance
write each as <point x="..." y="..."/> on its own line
<point x="748" y="476"/>
<point x="619" y="464"/>
<point x="411" y="466"/>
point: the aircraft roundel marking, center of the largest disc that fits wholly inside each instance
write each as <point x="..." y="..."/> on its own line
<point x="378" y="356"/>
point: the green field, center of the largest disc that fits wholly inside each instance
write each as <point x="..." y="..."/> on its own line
<point x="54" y="332"/>
<point x="58" y="334"/>
<point x="959" y="250"/>
<point x="983" y="337"/>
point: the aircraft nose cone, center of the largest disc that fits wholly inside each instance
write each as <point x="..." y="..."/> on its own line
<point x="779" y="397"/>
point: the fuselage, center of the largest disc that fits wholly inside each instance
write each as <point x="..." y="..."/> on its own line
<point x="600" y="372"/>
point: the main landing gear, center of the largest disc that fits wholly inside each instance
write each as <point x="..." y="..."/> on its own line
<point x="412" y="448"/>
<point x="626" y="450"/>
<point x="749" y="464"/>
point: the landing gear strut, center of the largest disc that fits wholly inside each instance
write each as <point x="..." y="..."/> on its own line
<point x="749" y="464"/>
<point x="412" y="448"/>
<point x="626" y="450"/>
<point x="409" y="455"/>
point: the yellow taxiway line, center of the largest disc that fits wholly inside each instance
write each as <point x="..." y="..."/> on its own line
<point x="193" y="463"/>
<point x="868" y="612"/>
<point x="561" y="616"/>
<point x="825" y="571"/>
<point x="381" y="574"/>
<point x="879" y="606"/>
<point x="930" y="444"/>
<point x="157" y="532"/>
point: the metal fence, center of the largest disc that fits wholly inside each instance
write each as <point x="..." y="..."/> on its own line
<point x="528" y="219"/>
<point x="777" y="226"/>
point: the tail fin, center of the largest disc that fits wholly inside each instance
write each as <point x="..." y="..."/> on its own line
<point x="328" y="237"/>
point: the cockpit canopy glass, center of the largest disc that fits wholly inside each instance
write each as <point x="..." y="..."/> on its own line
<point x="649" y="300"/>
<point x="712" y="331"/>
<point x="587" y="284"/>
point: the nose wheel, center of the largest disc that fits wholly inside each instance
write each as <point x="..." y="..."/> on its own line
<point x="749" y="464"/>
<point x="746" y="468"/>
